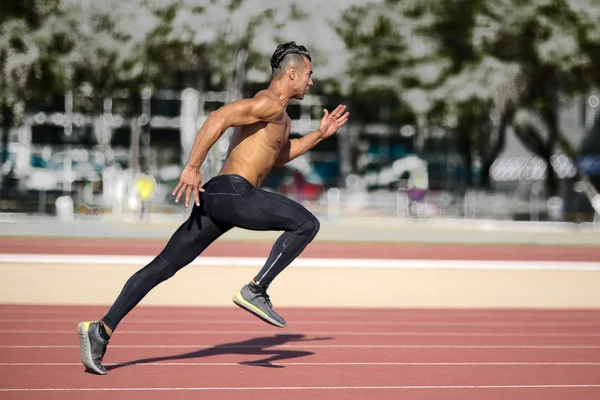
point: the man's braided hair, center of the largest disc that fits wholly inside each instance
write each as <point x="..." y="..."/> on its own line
<point x="284" y="50"/>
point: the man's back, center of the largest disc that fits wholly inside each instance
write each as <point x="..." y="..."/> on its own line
<point x="254" y="148"/>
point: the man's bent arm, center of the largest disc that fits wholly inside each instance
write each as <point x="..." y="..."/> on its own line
<point x="296" y="147"/>
<point x="238" y="113"/>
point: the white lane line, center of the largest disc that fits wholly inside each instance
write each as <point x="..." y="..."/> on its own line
<point x="313" y="346"/>
<point x="334" y="333"/>
<point x="313" y="364"/>
<point x="304" y="262"/>
<point x="413" y="387"/>
<point x="197" y="321"/>
<point x="166" y="311"/>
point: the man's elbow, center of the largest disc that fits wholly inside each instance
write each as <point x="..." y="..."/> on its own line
<point x="217" y="120"/>
<point x="282" y="159"/>
<point x="280" y="162"/>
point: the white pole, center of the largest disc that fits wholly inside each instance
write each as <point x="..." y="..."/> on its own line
<point x="333" y="203"/>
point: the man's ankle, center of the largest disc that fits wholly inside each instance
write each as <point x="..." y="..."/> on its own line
<point x="105" y="331"/>
<point x="257" y="287"/>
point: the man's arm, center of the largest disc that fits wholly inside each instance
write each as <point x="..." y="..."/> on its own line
<point x="330" y="123"/>
<point x="241" y="112"/>
<point x="296" y="147"/>
<point x="238" y="113"/>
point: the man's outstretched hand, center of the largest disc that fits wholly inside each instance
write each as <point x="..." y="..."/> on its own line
<point x="190" y="182"/>
<point x="330" y="123"/>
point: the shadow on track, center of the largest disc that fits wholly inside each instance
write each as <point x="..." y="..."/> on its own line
<point x="263" y="347"/>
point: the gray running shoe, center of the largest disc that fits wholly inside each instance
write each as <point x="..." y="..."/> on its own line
<point x="255" y="300"/>
<point x="92" y="347"/>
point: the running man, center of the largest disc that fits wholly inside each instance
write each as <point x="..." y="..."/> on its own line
<point x="233" y="198"/>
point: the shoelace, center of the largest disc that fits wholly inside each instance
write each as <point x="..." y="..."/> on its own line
<point x="267" y="299"/>
<point x="263" y="293"/>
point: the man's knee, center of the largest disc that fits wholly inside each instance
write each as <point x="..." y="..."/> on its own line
<point x="309" y="228"/>
<point x="316" y="226"/>
<point x="159" y="270"/>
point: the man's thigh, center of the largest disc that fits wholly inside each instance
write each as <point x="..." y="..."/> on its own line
<point x="259" y="211"/>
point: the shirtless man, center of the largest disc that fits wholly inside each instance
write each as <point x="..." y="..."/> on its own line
<point x="233" y="198"/>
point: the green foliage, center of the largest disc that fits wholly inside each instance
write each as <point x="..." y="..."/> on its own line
<point x="33" y="42"/>
<point x="238" y="37"/>
<point x="124" y="45"/>
<point x="458" y="51"/>
<point x="459" y="62"/>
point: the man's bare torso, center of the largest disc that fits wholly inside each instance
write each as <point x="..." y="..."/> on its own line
<point x="254" y="148"/>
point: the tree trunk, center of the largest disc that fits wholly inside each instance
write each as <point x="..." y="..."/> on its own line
<point x="235" y="84"/>
<point x="134" y="112"/>
<point x="551" y="177"/>
<point x="550" y="115"/>
<point x="134" y="154"/>
<point x="346" y="144"/>
<point x="7" y="122"/>
<point x="492" y="151"/>
<point x="354" y="130"/>
<point x="466" y="125"/>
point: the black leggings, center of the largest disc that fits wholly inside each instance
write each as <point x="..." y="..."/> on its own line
<point x="228" y="201"/>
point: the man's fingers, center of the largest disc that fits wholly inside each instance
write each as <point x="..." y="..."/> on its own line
<point x="180" y="192"/>
<point x="345" y="116"/>
<point x="188" y="195"/>
<point x="338" y="111"/>
<point x="196" y="193"/>
<point x="335" y="112"/>
<point x="177" y="188"/>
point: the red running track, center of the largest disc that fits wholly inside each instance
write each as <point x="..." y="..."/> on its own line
<point x="224" y="353"/>
<point x="87" y="246"/>
<point x="211" y="353"/>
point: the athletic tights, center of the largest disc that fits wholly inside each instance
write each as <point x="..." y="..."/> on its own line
<point x="228" y="201"/>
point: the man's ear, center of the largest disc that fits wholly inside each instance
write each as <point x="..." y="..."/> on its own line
<point x="293" y="72"/>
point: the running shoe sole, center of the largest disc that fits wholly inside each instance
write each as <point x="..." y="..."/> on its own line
<point x="85" y="348"/>
<point x="252" y="309"/>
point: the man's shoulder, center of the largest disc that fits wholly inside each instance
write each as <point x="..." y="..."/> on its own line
<point x="269" y="101"/>
<point x="268" y="98"/>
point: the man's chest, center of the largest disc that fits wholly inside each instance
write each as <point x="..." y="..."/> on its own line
<point x="278" y="133"/>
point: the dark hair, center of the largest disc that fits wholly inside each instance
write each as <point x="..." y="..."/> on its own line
<point x="284" y="50"/>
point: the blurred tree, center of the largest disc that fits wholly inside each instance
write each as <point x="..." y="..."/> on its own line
<point x="556" y="45"/>
<point x="124" y="49"/>
<point x="33" y="43"/>
<point x="115" y="49"/>
<point x="470" y="64"/>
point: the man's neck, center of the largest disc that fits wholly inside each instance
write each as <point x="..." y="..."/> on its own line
<point x="281" y="91"/>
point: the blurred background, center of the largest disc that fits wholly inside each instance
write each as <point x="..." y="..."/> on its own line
<point x="463" y="109"/>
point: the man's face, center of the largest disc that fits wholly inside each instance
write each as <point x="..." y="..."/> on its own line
<point x="304" y="79"/>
